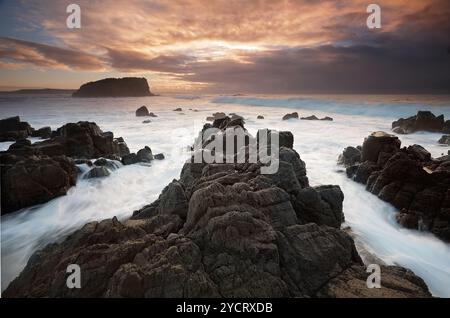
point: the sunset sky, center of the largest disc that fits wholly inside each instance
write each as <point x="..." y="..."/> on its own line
<point x="229" y="46"/>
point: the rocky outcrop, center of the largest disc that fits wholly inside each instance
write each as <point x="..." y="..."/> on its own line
<point x="444" y="140"/>
<point x="408" y="178"/>
<point x="423" y="121"/>
<point x="82" y="140"/>
<point x="115" y="87"/>
<point x="221" y="230"/>
<point x="143" y="155"/>
<point x="27" y="181"/>
<point x="36" y="173"/>
<point x="44" y="133"/>
<point x="12" y="129"/>
<point x="142" y="111"/>
<point x="293" y="115"/>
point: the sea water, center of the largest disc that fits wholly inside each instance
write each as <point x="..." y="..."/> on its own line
<point x="319" y="143"/>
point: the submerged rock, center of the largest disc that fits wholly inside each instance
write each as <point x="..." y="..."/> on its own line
<point x="97" y="172"/>
<point x="260" y="117"/>
<point x="178" y="109"/>
<point x="142" y="111"/>
<point x="445" y="140"/>
<point x="290" y="116"/>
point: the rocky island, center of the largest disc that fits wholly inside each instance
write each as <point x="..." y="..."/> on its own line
<point x="115" y="87"/>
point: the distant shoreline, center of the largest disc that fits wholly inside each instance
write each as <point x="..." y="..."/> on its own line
<point x="40" y="91"/>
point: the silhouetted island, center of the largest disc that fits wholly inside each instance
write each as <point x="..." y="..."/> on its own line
<point x="115" y="87"/>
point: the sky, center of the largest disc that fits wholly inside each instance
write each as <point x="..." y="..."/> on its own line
<point x="229" y="46"/>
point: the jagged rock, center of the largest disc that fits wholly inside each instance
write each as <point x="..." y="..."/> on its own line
<point x="410" y="179"/>
<point x="312" y="117"/>
<point x="82" y="140"/>
<point x="145" y="154"/>
<point x="34" y="180"/>
<point x="222" y="230"/>
<point x="110" y="164"/>
<point x="142" y="111"/>
<point x="12" y="129"/>
<point x="97" y="172"/>
<point x="350" y="156"/>
<point x="321" y="205"/>
<point x="44" y="133"/>
<point x="291" y="115"/>
<point x="379" y="146"/>
<point x="445" y="140"/>
<point x="115" y="87"/>
<point x="424" y="120"/>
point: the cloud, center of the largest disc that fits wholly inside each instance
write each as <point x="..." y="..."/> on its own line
<point x="13" y="51"/>
<point x="263" y="46"/>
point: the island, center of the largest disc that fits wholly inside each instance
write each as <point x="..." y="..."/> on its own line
<point x="115" y="87"/>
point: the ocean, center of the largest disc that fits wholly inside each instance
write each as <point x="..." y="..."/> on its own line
<point x="319" y="144"/>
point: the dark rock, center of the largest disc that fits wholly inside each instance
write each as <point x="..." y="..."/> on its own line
<point x="142" y="111"/>
<point x="110" y="164"/>
<point x="145" y="154"/>
<point x="260" y="117"/>
<point x="44" y="133"/>
<point x="326" y="118"/>
<point x="130" y="159"/>
<point x="97" y="172"/>
<point x="159" y="156"/>
<point x="152" y="115"/>
<point x="35" y="180"/>
<point x="379" y="146"/>
<point x="12" y="129"/>
<point x="115" y="87"/>
<point x="82" y="140"/>
<point x="446" y="127"/>
<point x="286" y="139"/>
<point x="410" y="179"/>
<point x="222" y="230"/>
<point x="148" y="121"/>
<point x="178" y="109"/>
<point x="396" y="282"/>
<point x="312" y="117"/>
<point x="350" y="157"/>
<point x="445" y="140"/>
<point x="423" y="121"/>
<point x="289" y="116"/>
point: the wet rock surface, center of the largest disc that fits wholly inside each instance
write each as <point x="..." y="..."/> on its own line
<point x="422" y="121"/>
<point x="408" y="178"/>
<point x="221" y="230"/>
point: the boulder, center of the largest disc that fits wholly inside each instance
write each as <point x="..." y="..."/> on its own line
<point x="145" y="154"/>
<point x="379" y="146"/>
<point x="44" y="133"/>
<point x="312" y="117"/>
<point x="97" y="172"/>
<point x="159" y="156"/>
<point x="115" y="87"/>
<point x="445" y="140"/>
<point x="82" y="140"/>
<point x="260" y="117"/>
<point x="12" y="129"/>
<point x="293" y="115"/>
<point x="178" y="109"/>
<point x="34" y="180"/>
<point x="142" y="111"/>
<point x="148" y="121"/>
<point x="350" y="156"/>
<point x="423" y="121"/>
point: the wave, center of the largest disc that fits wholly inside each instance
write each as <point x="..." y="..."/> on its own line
<point x="358" y="105"/>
